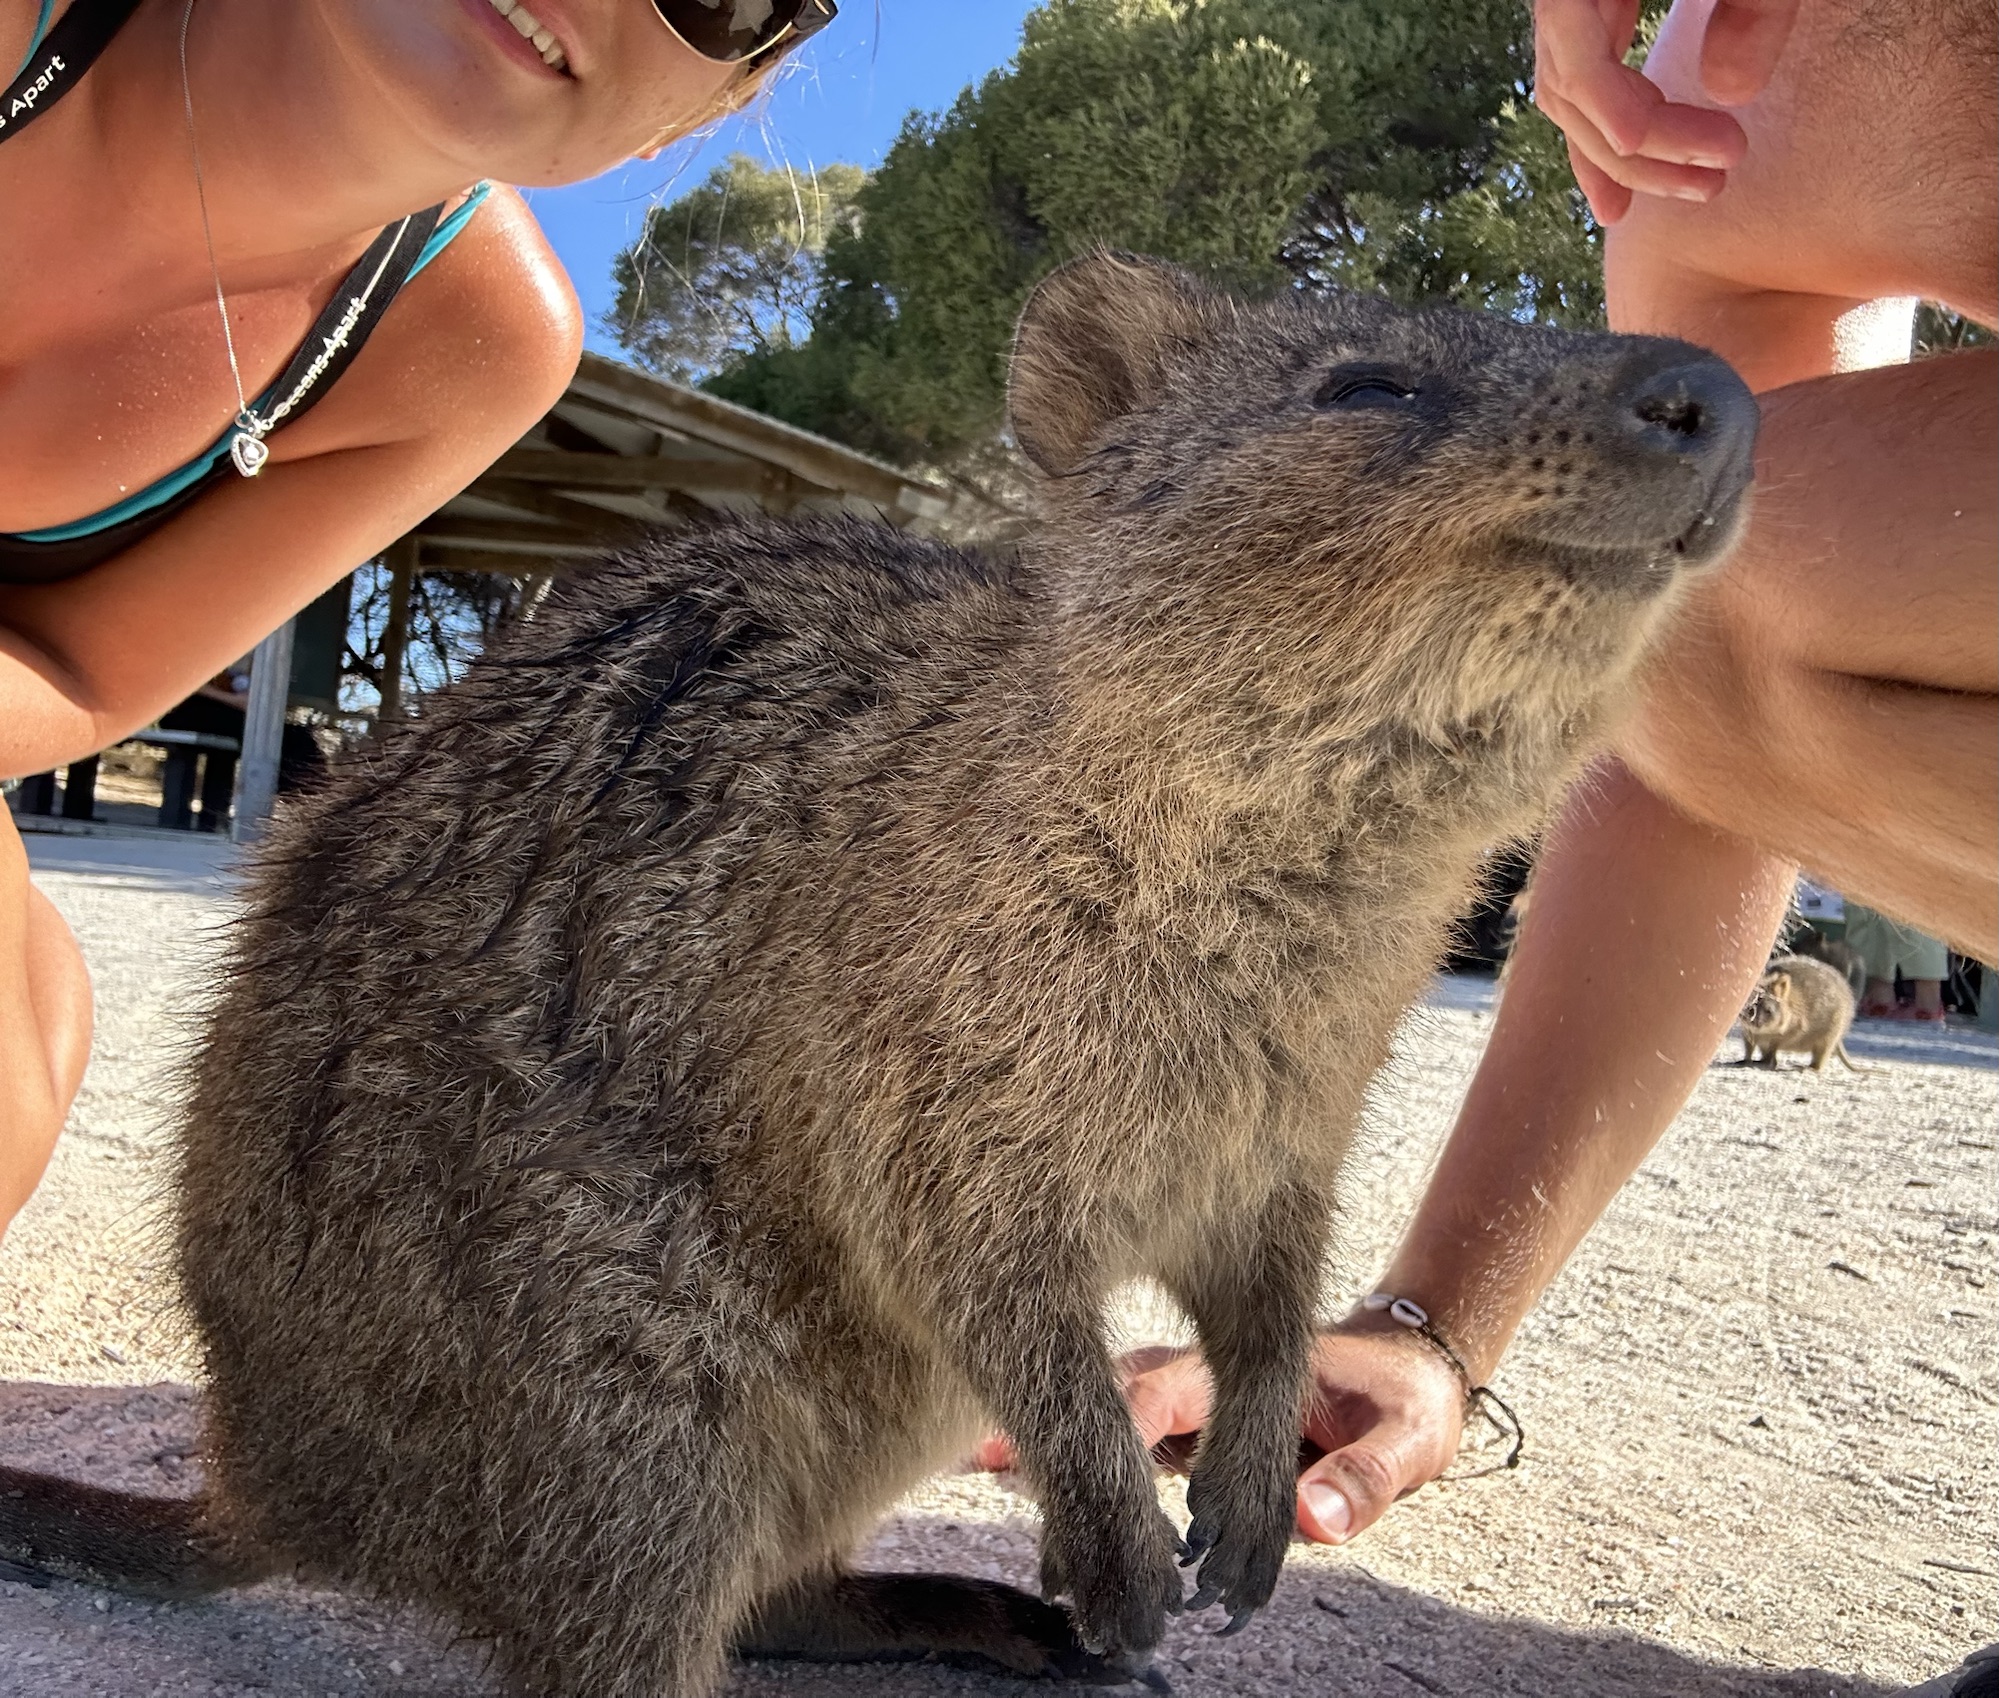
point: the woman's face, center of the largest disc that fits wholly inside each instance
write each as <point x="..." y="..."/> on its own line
<point x="464" y="76"/>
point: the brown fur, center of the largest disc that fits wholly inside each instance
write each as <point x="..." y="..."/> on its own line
<point x="1800" y="1004"/>
<point x="674" y="1095"/>
<point x="1836" y="953"/>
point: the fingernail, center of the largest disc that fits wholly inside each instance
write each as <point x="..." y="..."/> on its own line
<point x="1328" y="1508"/>
<point x="1689" y="192"/>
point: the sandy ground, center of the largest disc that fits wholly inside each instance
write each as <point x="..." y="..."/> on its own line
<point x="1760" y="1403"/>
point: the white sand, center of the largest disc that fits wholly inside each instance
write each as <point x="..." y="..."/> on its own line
<point x="1760" y="1404"/>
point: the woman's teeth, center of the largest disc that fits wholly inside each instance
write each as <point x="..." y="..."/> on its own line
<point x="533" y="29"/>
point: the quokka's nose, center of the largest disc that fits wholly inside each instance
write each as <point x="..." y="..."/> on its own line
<point x="1699" y="412"/>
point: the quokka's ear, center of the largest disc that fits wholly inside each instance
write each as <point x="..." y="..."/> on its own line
<point x="1095" y="342"/>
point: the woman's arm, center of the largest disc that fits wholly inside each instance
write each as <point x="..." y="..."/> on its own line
<point x="473" y="352"/>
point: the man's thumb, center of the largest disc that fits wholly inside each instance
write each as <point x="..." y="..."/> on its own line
<point x="1345" y="1491"/>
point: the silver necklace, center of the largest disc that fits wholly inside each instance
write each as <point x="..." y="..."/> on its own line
<point x="247" y="447"/>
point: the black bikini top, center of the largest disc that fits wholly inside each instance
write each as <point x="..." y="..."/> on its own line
<point x="55" y="66"/>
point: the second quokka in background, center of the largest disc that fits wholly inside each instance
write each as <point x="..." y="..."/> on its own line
<point x="1803" y="1005"/>
<point x="677" y="1093"/>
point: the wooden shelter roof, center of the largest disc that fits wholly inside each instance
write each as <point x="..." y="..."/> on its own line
<point x="623" y="449"/>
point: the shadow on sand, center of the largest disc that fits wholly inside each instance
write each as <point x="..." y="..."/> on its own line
<point x="1331" y="1632"/>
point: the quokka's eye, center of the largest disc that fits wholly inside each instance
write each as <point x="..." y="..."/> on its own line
<point x="1365" y="386"/>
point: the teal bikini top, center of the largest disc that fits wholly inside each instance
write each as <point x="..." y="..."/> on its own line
<point x="55" y="63"/>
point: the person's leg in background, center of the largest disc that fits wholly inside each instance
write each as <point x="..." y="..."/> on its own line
<point x="1866" y="934"/>
<point x="1887" y="947"/>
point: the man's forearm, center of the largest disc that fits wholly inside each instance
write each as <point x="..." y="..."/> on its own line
<point x="1622" y="987"/>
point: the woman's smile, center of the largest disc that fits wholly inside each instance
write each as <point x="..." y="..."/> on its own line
<point x="522" y="34"/>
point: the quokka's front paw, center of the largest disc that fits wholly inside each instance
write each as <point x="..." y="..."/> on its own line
<point x="1240" y="1529"/>
<point x="1121" y="1588"/>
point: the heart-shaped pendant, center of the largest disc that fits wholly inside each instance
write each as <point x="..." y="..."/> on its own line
<point x="249" y="452"/>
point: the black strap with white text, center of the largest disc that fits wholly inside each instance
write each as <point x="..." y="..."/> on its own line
<point x="59" y="63"/>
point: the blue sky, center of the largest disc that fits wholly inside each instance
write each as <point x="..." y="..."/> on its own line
<point x="844" y="99"/>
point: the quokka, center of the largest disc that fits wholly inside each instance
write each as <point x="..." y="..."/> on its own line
<point x="675" y="1094"/>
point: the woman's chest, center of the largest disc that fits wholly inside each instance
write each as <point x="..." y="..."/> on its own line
<point x="114" y="374"/>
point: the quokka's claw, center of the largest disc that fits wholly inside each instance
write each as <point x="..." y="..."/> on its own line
<point x="1203" y="1598"/>
<point x="1198" y="1542"/>
<point x="1238" y="1622"/>
<point x="1154" y="1676"/>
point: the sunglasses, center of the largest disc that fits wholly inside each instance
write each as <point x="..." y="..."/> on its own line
<point x="728" y="31"/>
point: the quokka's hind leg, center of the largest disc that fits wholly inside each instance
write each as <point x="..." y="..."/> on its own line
<point x="155" y="1547"/>
<point x="851" y="1618"/>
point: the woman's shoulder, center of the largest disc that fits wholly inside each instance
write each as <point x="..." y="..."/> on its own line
<point x="480" y="343"/>
<point x="500" y="276"/>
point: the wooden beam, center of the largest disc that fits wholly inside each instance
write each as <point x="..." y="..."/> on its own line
<point x="546" y="503"/>
<point x="707" y="418"/>
<point x="446" y="530"/>
<point x="521" y="562"/>
<point x="636" y="472"/>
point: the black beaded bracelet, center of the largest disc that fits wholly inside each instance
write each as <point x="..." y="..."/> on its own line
<point x="1487" y="1402"/>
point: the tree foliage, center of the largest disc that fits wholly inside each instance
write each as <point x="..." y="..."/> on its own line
<point x="453" y="618"/>
<point x="1938" y="330"/>
<point x="731" y="269"/>
<point x="1378" y="144"/>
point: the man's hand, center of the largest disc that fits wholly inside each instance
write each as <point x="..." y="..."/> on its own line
<point x="1384" y="1415"/>
<point x="1388" y="1413"/>
<point x="1625" y="136"/>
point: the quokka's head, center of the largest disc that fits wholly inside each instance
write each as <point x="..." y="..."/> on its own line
<point x="1769" y="1005"/>
<point x="1331" y="507"/>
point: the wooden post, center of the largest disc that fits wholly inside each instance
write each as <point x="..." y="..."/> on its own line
<point x="401" y="561"/>
<point x="79" y="790"/>
<point x="263" y="733"/>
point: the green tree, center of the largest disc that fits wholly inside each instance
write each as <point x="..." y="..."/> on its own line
<point x="1378" y="144"/>
<point x="729" y="270"/>
<point x="1941" y="331"/>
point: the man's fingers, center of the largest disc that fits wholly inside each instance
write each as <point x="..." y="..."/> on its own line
<point x="1170" y="1399"/>
<point x="1156" y="1414"/>
<point x="1609" y="200"/>
<point x="1579" y="54"/>
<point x="1694" y="135"/>
<point x="1624" y="135"/>
<point x="994" y="1454"/>
<point x="1744" y="41"/>
<point x="1348" y="1490"/>
<point x="1638" y="172"/>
